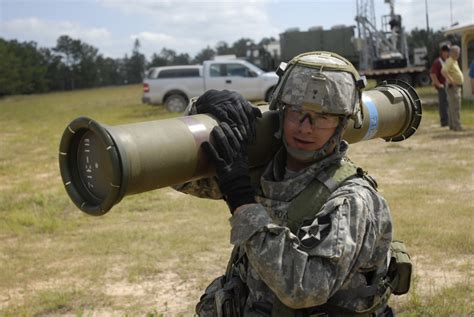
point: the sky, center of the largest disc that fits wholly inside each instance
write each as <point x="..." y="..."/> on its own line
<point x="189" y="26"/>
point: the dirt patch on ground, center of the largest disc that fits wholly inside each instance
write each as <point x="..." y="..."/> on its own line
<point x="174" y="194"/>
<point x="14" y="295"/>
<point x="17" y="295"/>
<point x="166" y="292"/>
<point x="432" y="277"/>
<point x="169" y="294"/>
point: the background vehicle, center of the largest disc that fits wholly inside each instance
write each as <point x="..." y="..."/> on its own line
<point x="384" y="53"/>
<point x="377" y="54"/>
<point x="173" y="86"/>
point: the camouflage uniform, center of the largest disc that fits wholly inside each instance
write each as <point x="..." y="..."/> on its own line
<point x="355" y="234"/>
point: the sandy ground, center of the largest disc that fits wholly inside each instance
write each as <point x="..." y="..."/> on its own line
<point x="168" y="294"/>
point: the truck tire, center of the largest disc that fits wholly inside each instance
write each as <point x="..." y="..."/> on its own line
<point x="423" y="79"/>
<point x="176" y="103"/>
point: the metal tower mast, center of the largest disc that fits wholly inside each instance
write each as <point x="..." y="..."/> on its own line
<point x="378" y="44"/>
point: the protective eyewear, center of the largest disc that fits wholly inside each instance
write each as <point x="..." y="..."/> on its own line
<point x="297" y="115"/>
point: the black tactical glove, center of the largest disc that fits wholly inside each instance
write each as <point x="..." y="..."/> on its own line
<point x="229" y="154"/>
<point x="230" y="107"/>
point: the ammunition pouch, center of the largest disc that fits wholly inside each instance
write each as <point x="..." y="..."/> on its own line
<point x="400" y="268"/>
<point x="223" y="298"/>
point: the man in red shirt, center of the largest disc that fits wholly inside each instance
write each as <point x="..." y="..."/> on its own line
<point x="438" y="81"/>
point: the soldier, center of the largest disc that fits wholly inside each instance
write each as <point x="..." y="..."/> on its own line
<point x="311" y="233"/>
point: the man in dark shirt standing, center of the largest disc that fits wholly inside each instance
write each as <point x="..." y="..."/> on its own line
<point x="438" y="81"/>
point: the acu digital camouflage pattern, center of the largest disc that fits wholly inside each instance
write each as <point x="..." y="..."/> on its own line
<point x="332" y="92"/>
<point x="277" y="265"/>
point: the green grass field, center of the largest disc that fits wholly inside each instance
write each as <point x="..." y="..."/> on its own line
<point x="155" y="252"/>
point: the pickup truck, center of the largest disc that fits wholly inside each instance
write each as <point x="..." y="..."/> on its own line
<point x="173" y="86"/>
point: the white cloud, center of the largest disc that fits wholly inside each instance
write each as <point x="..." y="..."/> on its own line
<point x="46" y="32"/>
<point x="153" y="43"/>
<point x="189" y="26"/>
<point x="154" y="37"/>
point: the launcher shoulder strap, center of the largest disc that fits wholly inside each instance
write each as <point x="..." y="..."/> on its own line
<point x="309" y="202"/>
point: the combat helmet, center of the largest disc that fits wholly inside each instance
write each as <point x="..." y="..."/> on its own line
<point x="323" y="82"/>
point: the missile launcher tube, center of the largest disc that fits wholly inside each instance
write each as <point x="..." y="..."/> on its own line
<point x="101" y="164"/>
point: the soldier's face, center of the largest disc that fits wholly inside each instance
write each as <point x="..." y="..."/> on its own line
<point x="308" y="130"/>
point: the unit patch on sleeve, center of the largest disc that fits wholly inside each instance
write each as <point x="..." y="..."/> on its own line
<point x="312" y="232"/>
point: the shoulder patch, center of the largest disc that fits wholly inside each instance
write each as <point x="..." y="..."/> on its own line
<point x="313" y="231"/>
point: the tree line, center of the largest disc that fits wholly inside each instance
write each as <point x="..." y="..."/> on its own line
<point x="26" y="68"/>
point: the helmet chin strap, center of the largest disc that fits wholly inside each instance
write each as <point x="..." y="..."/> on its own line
<point x="308" y="156"/>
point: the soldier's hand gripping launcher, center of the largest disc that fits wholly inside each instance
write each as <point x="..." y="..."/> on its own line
<point x="101" y="164"/>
